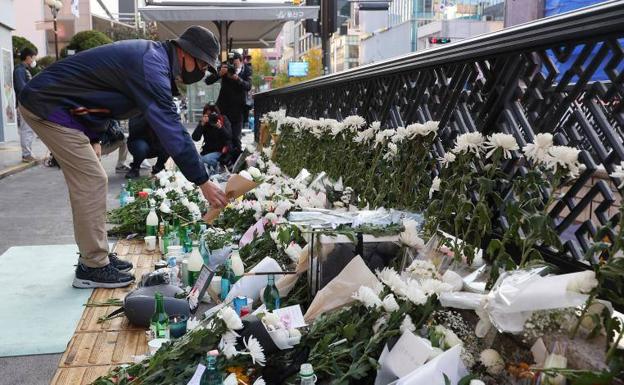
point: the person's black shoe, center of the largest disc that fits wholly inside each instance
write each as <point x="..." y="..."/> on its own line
<point x="106" y="277"/>
<point x="119" y="264"/>
<point x="133" y="173"/>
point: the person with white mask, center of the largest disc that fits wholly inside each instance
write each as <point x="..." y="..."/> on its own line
<point x="21" y="76"/>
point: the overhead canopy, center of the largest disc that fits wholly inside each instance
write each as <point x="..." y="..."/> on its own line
<point x="246" y="24"/>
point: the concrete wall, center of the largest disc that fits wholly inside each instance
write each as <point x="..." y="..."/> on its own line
<point x="523" y="11"/>
<point x="385" y="44"/>
<point x="371" y="21"/>
<point x="8" y="119"/>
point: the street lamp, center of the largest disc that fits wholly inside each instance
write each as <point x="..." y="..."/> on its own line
<point x="55" y="7"/>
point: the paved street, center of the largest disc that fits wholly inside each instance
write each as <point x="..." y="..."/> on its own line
<point x="35" y="211"/>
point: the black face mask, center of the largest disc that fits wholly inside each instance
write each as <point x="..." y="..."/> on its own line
<point x="193" y="76"/>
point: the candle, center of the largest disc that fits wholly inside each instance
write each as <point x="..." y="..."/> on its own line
<point x="177" y="325"/>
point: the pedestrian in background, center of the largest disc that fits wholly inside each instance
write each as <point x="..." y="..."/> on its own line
<point x="115" y="139"/>
<point x="235" y="79"/>
<point x="143" y="144"/>
<point x="21" y="76"/>
<point x="216" y="131"/>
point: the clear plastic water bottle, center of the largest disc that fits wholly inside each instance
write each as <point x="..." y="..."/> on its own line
<point x="173" y="271"/>
<point x="123" y="196"/>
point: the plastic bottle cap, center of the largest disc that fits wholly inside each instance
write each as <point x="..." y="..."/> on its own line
<point x="171" y="261"/>
<point x="213" y="353"/>
<point x="306" y="370"/>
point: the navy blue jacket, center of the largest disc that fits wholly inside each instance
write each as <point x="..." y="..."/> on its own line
<point x="21" y="76"/>
<point x="117" y="81"/>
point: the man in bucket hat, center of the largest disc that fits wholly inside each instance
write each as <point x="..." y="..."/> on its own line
<point x="69" y="104"/>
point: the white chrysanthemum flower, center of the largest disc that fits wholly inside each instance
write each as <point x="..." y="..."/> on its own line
<point x="164" y="207"/>
<point x="435" y="186"/>
<point x="256" y="351"/>
<point x="506" y="142"/>
<point x="367" y="296"/>
<point x="381" y="321"/>
<point x="476" y="382"/>
<point x="470" y="142"/>
<point x="434" y="286"/>
<point x="447" y="159"/>
<point x="492" y="361"/>
<point x="164" y="182"/>
<point x="583" y="283"/>
<point x="538" y="150"/>
<point x="231" y="319"/>
<point x="421" y="269"/>
<point x="160" y="193"/>
<point x="382" y="136"/>
<point x="422" y="129"/>
<point x="393" y="280"/>
<point x="282" y="207"/>
<point x="414" y="293"/>
<point x="272" y="320"/>
<point x="434" y="353"/>
<point x="353" y="122"/>
<point x="392" y="151"/>
<point x="400" y="135"/>
<point x="618" y="172"/>
<point x="245" y="174"/>
<point x="227" y="345"/>
<point x="407" y="325"/>
<point x="409" y="237"/>
<point x="272" y="218"/>
<point x="259" y="381"/>
<point x="254" y="172"/>
<point x="564" y="156"/>
<point x="267" y="151"/>
<point x="390" y="304"/>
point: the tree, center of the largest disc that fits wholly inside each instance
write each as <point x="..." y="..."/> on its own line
<point x="85" y="40"/>
<point x="314" y="57"/>
<point x="260" y="66"/>
<point x="20" y="43"/>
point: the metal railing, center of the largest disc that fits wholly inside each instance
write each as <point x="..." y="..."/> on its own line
<point x="563" y="75"/>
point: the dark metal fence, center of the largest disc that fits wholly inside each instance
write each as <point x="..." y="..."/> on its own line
<point x="563" y="75"/>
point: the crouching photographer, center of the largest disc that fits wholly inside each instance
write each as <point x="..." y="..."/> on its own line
<point x="232" y="101"/>
<point x="216" y="131"/>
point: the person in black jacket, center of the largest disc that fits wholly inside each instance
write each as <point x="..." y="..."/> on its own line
<point x="216" y="131"/>
<point x="144" y="144"/>
<point x="232" y="101"/>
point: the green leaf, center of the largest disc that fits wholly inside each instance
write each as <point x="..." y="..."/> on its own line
<point x="349" y="331"/>
<point x="447" y="381"/>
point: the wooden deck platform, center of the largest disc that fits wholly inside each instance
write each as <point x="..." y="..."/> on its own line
<point x="96" y="347"/>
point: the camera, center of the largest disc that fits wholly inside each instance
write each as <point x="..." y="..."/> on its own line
<point x="213" y="118"/>
<point x="231" y="68"/>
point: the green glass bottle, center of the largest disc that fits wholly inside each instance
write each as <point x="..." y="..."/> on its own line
<point x="159" y="323"/>
<point x="211" y="375"/>
<point x="188" y="241"/>
<point x="227" y="280"/>
<point x="271" y="295"/>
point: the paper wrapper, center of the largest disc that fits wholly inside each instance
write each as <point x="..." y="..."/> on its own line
<point x="286" y="283"/>
<point x="449" y="363"/>
<point x="338" y="291"/>
<point x="250" y="286"/>
<point x="236" y="186"/>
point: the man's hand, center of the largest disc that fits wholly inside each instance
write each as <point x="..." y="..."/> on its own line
<point x="223" y="70"/>
<point x="234" y="77"/>
<point x="98" y="149"/>
<point x="213" y="194"/>
<point x="219" y="125"/>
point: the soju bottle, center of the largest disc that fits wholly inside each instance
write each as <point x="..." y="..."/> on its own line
<point x="227" y="280"/>
<point x="188" y="241"/>
<point x="237" y="264"/>
<point x="211" y="375"/>
<point x="159" y="323"/>
<point x="306" y="373"/>
<point x="151" y="222"/>
<point x="271" y="295"/>
<point x="195" y="263"/>
<point x="123" y="196"/>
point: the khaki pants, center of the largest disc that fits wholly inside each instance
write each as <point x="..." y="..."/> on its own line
<point x="87" y="184"/>
<point x="123" y="151"/>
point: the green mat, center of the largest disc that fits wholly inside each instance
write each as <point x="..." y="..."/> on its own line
<point x="39" y="307"/>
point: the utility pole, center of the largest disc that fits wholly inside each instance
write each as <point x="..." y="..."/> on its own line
<point x="329" y="14"/>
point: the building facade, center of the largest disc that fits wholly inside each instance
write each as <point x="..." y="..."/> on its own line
<point x="8" y="120"/>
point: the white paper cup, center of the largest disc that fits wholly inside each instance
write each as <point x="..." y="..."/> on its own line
<point x="155" y="344"/>
<point x="150" y="243"/>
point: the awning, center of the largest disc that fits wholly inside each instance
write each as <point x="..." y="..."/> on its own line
<point x="248" y="24"/>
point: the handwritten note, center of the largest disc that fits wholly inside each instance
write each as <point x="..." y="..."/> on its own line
<point x="409" y="353"/>
<point x="291" y="315"/>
